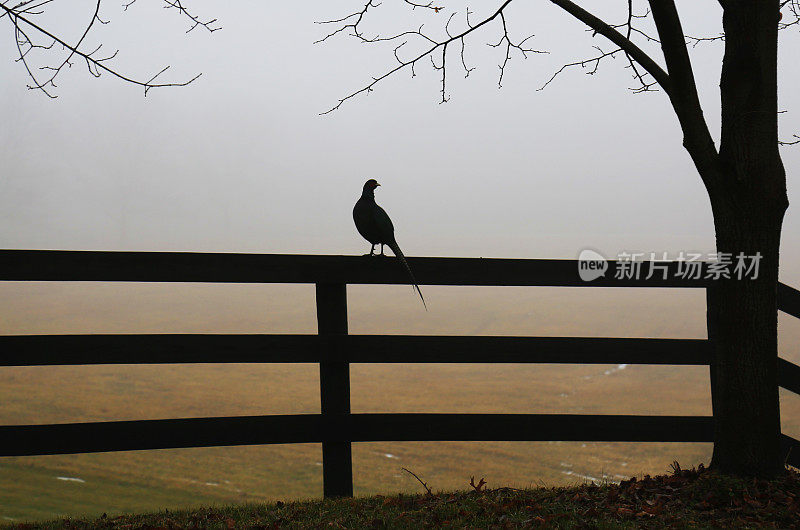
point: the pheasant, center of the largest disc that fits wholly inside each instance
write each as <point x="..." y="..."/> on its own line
<point x="373" y="223"/>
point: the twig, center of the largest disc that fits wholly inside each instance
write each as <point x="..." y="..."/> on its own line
<point x="424" y="485"/>
<point x="196" y="21"/>
<point x="594" y="62"/>
<point x="794" y="142"/>
<point x="646" y="70"/>
<point x="353" y="21"/>
<point x="19" y="16"/>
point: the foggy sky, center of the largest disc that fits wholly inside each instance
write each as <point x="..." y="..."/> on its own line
<point x="241" y="160"/>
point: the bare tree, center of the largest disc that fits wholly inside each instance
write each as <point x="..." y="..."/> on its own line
<point x="44" y="53"/>
<point x="744" y="176"/>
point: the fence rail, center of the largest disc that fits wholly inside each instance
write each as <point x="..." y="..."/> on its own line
<point x="75" y="265"/>
<point x="334" y="350"/>
<point x="38" y="350"/>
<point x="338" y="428"/>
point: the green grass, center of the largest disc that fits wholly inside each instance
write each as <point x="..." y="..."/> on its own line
<point x="30" y="495"/>
<point x="683" y="499"/>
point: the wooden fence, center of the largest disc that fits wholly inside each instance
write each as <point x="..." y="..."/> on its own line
<point x="334" y="349"/>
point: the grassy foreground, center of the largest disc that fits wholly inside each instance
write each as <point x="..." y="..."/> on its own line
<point x="686" y="498"/>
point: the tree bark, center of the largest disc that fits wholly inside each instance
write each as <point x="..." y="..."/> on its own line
<point x="748" y="200"/>
<point x="743" y="326"/>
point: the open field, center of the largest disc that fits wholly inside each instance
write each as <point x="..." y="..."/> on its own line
<point x="43" y="487"/>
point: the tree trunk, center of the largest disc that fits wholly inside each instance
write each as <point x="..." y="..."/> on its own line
<point x="743" y="325"/>
<point x="748" y="200"/>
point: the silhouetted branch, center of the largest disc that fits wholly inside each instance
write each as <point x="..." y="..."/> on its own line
<point x="789" y="16"/>
<point x="644" y="85"/>
<point x="28" y="35"/>
<point x="195" y="20"/>
<point x="429" y="5"/>
<point x="599" y="26"/>
<point x="637" y="59"/>
<point x="694" y="41"/>
<point x="352" y="22"/>
<point x="358" y="16"/>
<point x="794" y="142"/>
<point x="630" y="29"/>
<point x="509" y="45"/>
<point x="792" y="9"/>
<point x="594" y="62"/>
<point x="424" y="485"/>
<point x="640" y="63"/>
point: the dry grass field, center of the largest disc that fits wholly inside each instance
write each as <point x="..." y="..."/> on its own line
<point x="44" y="487"/>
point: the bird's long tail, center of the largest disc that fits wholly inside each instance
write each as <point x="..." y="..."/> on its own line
<point x="399" y="253"/>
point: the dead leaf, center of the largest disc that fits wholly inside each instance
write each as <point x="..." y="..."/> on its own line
<point x="479" y="486"/>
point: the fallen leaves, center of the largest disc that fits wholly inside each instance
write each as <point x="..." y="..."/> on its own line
<point x="477" y="487"/>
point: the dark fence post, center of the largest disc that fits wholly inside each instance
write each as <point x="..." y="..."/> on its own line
<point x="334" y="379"/>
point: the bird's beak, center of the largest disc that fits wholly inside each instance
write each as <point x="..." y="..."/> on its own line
<point x="376" y="184"/>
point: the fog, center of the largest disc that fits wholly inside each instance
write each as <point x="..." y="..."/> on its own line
<point x="242" y="161"/>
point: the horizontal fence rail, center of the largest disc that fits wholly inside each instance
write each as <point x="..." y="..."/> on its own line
<point x="37" y="350"/>
<point x="52" y="350"/>
<point x="789" y="300"/>
<point x="789" y="375"/>
<point x="315" y="428"/>
<point x="75" y="265"/>
<point x="334" y="350"/>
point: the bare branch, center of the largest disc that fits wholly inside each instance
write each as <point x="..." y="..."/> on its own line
<point x="509" y="45"/>
<point x="617" y="38"/>
<point x="694" y="41"/>
<point x="57" y="70"/>
<point x="196" y="21"/>
<point x="644" y="86"/>
<point x="444" y="72"/>
<point x="636" y="57"/>
<point x="424" y="485"/>
<point x="793" y="11"/>
<point x="593" y="62"/>
<point x="429" y="5"/>
<point x="208" y="24"/>
<point x="18" y="32"/>
<point x="353" y="20"/>
<point x="95" y="65"/>
<point x="683" y="91"/>
<point x="463" y="61"/>
<point x="788" y="142"/>
<point x="795" y="142"/>
<point x="358" y="15"/>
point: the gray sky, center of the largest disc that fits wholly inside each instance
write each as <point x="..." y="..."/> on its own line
<point x="240" y="161"/>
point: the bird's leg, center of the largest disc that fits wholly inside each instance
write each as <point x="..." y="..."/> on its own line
<point x="372" y="250"/>
<point x="382" y="254"/>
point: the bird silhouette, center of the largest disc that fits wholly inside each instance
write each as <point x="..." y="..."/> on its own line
<point x="373" y="223"/>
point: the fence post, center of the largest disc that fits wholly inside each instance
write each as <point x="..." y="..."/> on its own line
<point x="334" y="380"/>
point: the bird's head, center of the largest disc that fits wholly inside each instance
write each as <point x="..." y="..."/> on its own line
<point x="370" y="185"/>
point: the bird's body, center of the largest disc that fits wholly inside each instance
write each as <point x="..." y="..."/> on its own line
<point x="374" y="224"/>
